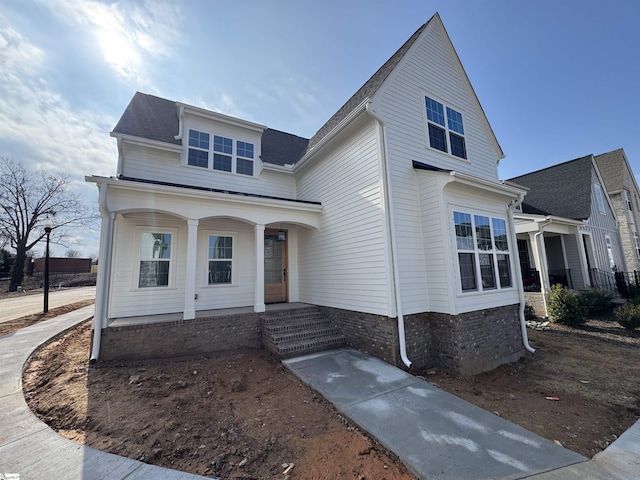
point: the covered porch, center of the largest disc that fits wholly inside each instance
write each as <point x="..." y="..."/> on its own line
<point x="552" y="250"/>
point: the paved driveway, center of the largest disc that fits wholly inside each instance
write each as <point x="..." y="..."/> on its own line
<point x="16" y="307"/>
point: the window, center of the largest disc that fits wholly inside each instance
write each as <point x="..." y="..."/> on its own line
<point x="222" y="148"/>
<point x="244" y="152"/>
<point x="612" y="262"/>
<point x="636" y="242"/>
<point x="599" y="198"/>
<point x="220" y="259"/>
<point x="446" y="136"/>
<point x="220" y="154"/>
<point x="483" y="252"/>
<point x="627" y="198"/>
<point x="198" y="149"/>
<point x="155" y="259"/>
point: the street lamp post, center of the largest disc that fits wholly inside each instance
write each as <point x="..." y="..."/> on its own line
<point x="48" y="226"/>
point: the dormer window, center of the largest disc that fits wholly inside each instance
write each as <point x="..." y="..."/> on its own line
<point x="445" y="133"/>
<point x="224" y="154"/>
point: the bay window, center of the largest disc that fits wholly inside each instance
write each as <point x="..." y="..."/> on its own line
<point x="483" y="252"/>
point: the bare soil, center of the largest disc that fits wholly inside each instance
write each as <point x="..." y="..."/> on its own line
<point x="242" y="415"/>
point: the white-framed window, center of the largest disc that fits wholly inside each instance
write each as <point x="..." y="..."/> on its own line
<point x="156" y="256"/>
<point x="220" y="259"/>
<point x="484" y="259"/>
<point x="612" y="262"/>
<point x="627" y="198"/>
<point x="445" y="129"/>
<point x="636" y="242"/>
<point x="599" y="197"/>
<point x="223" y="153"/>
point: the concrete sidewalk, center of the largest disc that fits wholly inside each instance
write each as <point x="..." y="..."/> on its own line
<point x="29" y="303"/>
<point x="29" y="447"/>
<point x="439" y="436"/>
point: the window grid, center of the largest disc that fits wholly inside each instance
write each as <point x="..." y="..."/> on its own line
<point x="155" y="259"/>
<point x="483" y="252"/>
<point x="223" y="156"/>
<point x="447" y="137"/>
<point x="220" y="256"/>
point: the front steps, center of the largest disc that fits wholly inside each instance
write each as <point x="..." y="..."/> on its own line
<point x="288" y="333"/>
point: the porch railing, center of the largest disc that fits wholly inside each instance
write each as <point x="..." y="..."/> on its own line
<point x="531" y="279"/>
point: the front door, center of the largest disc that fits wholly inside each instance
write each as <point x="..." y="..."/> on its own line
<point x="275" y="266"/>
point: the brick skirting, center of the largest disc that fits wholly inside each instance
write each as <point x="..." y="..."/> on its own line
<point x="182" y="337"/>
<point x="464" y="345"/>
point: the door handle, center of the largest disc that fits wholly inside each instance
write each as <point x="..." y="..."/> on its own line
<point x="284" y="274"/>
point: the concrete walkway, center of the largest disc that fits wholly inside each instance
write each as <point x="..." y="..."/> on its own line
<point x="30" y="303"/>
<point x="439" y="436"/>
<point x="29" y="447"/>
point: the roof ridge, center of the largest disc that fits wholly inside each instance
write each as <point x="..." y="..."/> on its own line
<point x="369" y="87"/>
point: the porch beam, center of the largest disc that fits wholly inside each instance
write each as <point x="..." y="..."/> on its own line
<point x="259" y="305"/>
<point x="189" y="311"/>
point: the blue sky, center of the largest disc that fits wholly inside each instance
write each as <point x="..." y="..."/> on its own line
<point x="558" y="79"/>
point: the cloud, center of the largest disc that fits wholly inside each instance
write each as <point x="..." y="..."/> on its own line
<point x="125" y="33"/>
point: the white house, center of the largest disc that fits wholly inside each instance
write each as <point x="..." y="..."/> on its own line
<point x="390" y="220"/>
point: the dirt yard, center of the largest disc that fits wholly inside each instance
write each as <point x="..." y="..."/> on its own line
<point x="244" y="416"/>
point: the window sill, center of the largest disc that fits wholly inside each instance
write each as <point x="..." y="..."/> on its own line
<point x="446" y="154"/>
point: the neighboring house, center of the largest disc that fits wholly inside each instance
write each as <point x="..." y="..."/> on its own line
<point x="567" y="230"/>
<point x="391" y="219"/>
<point x="621" y="186"/>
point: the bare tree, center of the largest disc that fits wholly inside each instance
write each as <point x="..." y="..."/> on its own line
<point x="26" y="200"/>
<point x="71" y="253"/>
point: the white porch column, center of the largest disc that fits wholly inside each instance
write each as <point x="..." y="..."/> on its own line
<point x="190" y="271"/>
<point x="259" y="300"/>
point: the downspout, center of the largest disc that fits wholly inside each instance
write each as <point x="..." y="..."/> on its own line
<point x="386" y="179"/>
<point x="102" y="283"/>
<point x="523" y="324"/>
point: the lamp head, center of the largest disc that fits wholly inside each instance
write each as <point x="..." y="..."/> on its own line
<point x="48" y="225"/>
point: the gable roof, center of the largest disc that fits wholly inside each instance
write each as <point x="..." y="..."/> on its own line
<point x="368" y="89"/>
<point x="562" y="190"/>
<point x="612" y="167"/>
<point x="155" y="118"/>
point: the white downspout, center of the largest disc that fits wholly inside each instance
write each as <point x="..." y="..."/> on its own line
<point x="523" y="325"/>
<point x="386" y="178"/>
<point x="104" y="269"/>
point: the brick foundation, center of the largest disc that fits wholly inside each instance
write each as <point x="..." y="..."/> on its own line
<point x="463" y="345"/>
<point x="536" y="300"/>
<point x="182" y="337"/>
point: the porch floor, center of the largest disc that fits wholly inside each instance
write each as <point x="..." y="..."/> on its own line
<point x="172" y="317"/>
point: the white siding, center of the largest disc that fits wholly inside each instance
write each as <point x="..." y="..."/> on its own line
<point x="126" y="298"/>
<point x="153" y="164"/>
<point x="129" y="300"/>
<point x="574" y="263"/>
<point x="242" y="291"/>
<point x="429" y="68"/>
<point x="343" y="264"/>
<point x="471" y="202"/>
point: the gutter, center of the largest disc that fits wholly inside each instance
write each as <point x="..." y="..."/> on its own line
<point x="394" y="254"/>
<point x="523" y="325"/>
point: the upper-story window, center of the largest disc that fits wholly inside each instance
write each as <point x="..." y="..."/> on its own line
<point x="224" y="154"/>
<point x="627" y="198"/>
<point x="446" y="133"/>
<point x="599" y="197"/>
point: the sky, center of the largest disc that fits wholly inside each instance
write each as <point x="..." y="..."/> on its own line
<point x="557" y="79"/>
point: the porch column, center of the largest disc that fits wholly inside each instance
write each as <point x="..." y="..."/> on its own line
<point x="190" y="271"/>
<point x="540" y="259"/>
<point x="259" y="300"/>
<point x="103" y="284"/>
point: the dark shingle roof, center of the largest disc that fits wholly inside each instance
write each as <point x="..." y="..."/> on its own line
<point x="155" y="118"/>
<point x="563" y="190"/>
<point x="367" y="90"/>
<point x="612" y="168"/>
<point x="282" y="148"/>
<point x="148" y="116"/>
